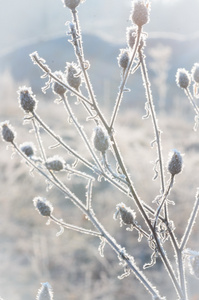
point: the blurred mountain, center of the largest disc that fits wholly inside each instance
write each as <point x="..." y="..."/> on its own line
<point x="104" y="71"/>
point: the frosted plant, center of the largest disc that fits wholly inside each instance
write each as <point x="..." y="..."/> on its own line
<point x="159" y="228"/>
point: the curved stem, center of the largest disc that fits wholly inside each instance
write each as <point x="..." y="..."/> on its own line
<point x="126" y="74"/>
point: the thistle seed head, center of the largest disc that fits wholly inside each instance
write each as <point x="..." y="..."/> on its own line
<point x="45" y="292"/>
<point x="100" y="140"/>
<point x="183" y="78"/>
<point x="195" y="73"/>
<point x="123" y="58"/>
<point x="7" y="132"/>
<point x="74" y="80"/>
<point x="127" y="215"/>
<point x="57" y="88"/>
<point x="27" y="100"/>
<point x="131" y="36"/>
<point x="175" y="162"/>
<point x="72" y="4"/>
<point x="28" y="148"/>
<point x="140" y="13"/>
<point x="43" y="206"/>
<point x="55" y="163"/>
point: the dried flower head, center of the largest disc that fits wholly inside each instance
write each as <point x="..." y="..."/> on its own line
<point x="57" y="88"/>
<point x="55" y="163"/>
<point x="131" y="33"/>
<point x="7" y="132"/>
<point x="72" y="4"/>
<point x="28" y="148"/>
<point x="123" y="58"/>
<point x="74" y="80"/>
<point x="195" y="73"/>
<point x="183" y="78"/>
<point x="140" y="13"/>
<point x="175" y="162"/>
<point x="45" y="292"/>
<point x="27" y="100"/>
<point x="127" y="215"/>
<point x="101" y="141"/>
<point x="43" y="206"/>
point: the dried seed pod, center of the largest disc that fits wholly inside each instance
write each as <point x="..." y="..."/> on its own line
<point x="140" y="14"/>
<point x="7" y="132"/>
<point x="72" y="4"/>
<point x="131" y="36"/>
<point x="127" y="215"/>
<point x="55" y="163"/>
<point x="123" y="58"/>
<point x="195" y="73"/>
<point x="175" y="162"/>
<point x="28" y="148"/>
<point x="74" y="80"/>
<point x="101" y="141"/>
<point x="183" y="78"/>
<point x="45" y="292"/>
<point x="27" y="100"/>
<point x="58" y="88"/>
<point x="43" y="206"/>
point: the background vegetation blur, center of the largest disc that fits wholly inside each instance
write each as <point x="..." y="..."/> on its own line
<point x="30" y="253"/>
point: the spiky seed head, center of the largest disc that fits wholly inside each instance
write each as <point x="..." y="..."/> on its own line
<point x="195" y="73"/>
<point x="131" y="36"/>
<point x="175" y="162"/>
<point x="55" y="163"/>
<point x="72" y="4"/>
<point x="100" y="140"/>
<point x="27" y="100"/>
<point x="140" y="13"/>
<point x="74" y="80"/>
<point x="43" y="206"/>
<point x="183" y="78"/>
<point x="123" y="58"/>
<point x="127" y="215"/>
<point x="28" y="148"/>
<point x="7" y="132"/>
<point x="45" y="292"/>
<point x="57" y="88"/>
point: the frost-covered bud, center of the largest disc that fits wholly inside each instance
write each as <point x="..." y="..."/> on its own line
<point x="101" y="141"/>
<point x="195" y="265"/>
<point x="28" y="148"/>
<point x="195" y="73"/>
<point x="140" y="13"/>
<point x="127" y="215"/>
<point x="43" y="206"/>
<point x="57" y="88"/>
<point x="45" y="292"/>
<point x="175" y="162"/>
<point x="55" y="163"/>
<point x="74" y="80"/>
<point x="123" y="58"/>
<point x="72" y="4"/>
<point x="7" y="132"/>
<point x="27" y="100"/>
<point x="131" y="36"/>
<point x="183" y="78"/>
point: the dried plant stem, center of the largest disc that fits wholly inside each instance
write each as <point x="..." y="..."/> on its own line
<point x="157" y="131"/>
<point x="125" y="77"/>
<point x="102" y="232"/>
<point x="190" y="97"/>
<point x="190" y="224"/>
<point x="40" y="62"/>
<point x="75" y="228"/>
<point x="81" y="132"/>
